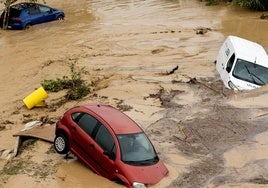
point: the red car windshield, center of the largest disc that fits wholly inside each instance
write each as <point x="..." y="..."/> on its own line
<point x="136" y="149"/>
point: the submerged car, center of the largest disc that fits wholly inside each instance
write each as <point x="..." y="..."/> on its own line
<point x="242" y="64"/>
<point x="24" y="15"/>
<point x="110" y="143"/>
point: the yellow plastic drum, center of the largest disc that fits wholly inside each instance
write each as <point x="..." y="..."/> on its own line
<point x="36" y="98"/>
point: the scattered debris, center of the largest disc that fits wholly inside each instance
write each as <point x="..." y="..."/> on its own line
<point x="259" y="180"/>
<point x="157" y="51"/>
<point x="192" y="81"/>
<point x="2" y="127"/>
<point x="70" y="155"/>
<point x="46" y="119"/>
<point x="123" y="107"/>
<point x="6" y="122"/>
<point x="167" y="31"/>
<point x="34" y="130"/>
<point x="31" y="124"/>
<point x="195" y="81"/>
<point x="16" y="112"/>
<point x="166" y="97"/>
<point x="173" y="70"/>
<point x="202" y="30"/>
<point x="6" y="154"/>
<point x="264" y="16"/>
<point x="17" y="145"/>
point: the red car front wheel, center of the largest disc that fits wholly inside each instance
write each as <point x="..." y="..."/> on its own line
<point x="61" y="144"/>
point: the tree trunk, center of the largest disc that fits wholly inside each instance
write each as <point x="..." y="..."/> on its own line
<point x="6" y="14"/>
<point x="264" y="3"/>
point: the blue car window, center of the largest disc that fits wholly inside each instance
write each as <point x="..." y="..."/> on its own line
<point x="34" y="10"/>
<point x="44" y="9"/>
<point x="14" y="12"/>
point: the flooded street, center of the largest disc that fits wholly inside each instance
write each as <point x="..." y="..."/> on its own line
<point x="207" y="135"/>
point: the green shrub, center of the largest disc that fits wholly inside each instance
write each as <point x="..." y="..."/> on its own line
<point x="253" y="4"/>
<point x="76" y="86"/>
<point x="212" y="2"/>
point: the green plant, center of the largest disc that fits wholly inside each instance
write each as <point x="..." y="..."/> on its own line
<point x="254" y="4"/>
<point x="76" y="86"/>
<point x="212" y="2"/>
<point x="52" y="85"/>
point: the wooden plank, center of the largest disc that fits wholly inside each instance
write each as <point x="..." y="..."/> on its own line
<point x="46" y="133"/>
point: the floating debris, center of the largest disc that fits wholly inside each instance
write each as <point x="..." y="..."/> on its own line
<point x="34" y="130"/>
<point x="202" y="30"/>
<point x="6" y="154"/>
<point x="2" y="127"/>
<point x="31" y="124"/>
<point x="173" y="70"/>
<point x="264" y="16"/>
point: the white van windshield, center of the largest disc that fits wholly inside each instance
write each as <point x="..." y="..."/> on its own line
<point x="250" y="72"/>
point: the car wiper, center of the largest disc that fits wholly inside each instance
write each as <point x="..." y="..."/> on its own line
<point x="150" y="161"/>
<point x="253" y="76"/>
<point x="144" y="162"/>
<point x="131" y="162"/>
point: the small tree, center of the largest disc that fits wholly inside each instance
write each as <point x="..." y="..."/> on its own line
<point x="7" y="4"/>
<point x="252" y="4"/>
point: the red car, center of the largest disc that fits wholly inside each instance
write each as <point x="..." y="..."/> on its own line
<point x="111" y="144"/>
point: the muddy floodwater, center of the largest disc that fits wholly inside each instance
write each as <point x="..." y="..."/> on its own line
<point x="207" y="135"/>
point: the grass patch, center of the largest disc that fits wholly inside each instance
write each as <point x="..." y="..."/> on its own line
<point x="212" y="2"/>
<point x="16" y="167"/>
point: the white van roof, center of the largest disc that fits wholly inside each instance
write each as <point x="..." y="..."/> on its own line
<point x="249" y="50"/>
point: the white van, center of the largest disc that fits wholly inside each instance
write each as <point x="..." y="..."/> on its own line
<point x="242" y="64"/>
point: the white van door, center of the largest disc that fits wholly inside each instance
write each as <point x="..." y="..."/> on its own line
<point x="227" y="70"/>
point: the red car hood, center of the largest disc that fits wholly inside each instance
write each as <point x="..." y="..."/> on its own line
<point x="148" y="175"/>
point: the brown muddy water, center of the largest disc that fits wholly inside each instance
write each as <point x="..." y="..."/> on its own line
<point x="206" y="135"/>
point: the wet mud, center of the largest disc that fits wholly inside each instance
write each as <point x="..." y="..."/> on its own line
<point x="159" y="70"/>
<point x="205" y="136"/>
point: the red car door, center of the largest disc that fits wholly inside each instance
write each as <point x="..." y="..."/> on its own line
<point x="104" y="151"/>
<point x="84" y="130"/>
<point x="83" y="146"/>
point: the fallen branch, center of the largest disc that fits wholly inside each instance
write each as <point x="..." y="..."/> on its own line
<point x="265" y="114"/>
<point x="173" y="70"/>
<point x="195" y="81"/>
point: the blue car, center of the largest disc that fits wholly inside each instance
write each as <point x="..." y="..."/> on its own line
<point x="24" y="15"/>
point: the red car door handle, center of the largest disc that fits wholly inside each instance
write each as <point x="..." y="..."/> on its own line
<point x="92" y="145"/>
<point x="73" y="128"/>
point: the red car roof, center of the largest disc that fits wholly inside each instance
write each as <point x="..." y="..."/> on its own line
<point x="118" y="121"/>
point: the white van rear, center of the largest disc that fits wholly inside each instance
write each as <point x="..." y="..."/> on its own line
<point x="242" y="64"/>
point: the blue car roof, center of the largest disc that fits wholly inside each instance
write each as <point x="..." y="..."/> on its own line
<point x="21" y="6"/>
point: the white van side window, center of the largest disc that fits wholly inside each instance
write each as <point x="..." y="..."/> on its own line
<point x="230" y="63"/>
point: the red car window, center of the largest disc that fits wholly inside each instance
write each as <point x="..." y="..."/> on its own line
<point x="87" y="123"/>
<point x="105" y="139"/>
